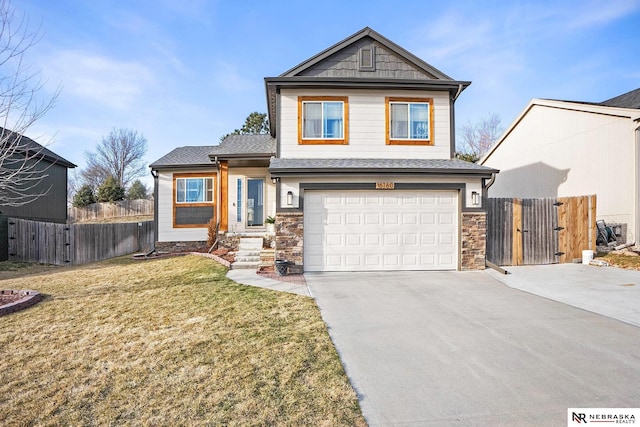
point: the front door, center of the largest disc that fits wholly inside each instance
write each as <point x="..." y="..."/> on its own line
<point x="255" y="202"/>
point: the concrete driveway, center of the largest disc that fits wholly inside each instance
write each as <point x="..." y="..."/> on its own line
<point x="610" y="291"/>
<point x="462" y="348"/>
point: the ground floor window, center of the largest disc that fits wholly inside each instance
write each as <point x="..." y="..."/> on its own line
<point x="194" y="190"/>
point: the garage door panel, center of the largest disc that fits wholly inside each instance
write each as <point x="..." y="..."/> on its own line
<point x="445" y="238"/>
<point x="334" y="239"/>
<point x="314" y="218"/>
<point x="428" y="239"/>
<point x="410" y="218"/>
<point x="380" y="230"/>
<point x="334" y="219"/>
<point x="390" y="218"/>
<point x="427" y="218"/>
<point x="391" y="239"/>
<point x="372" y="261"/>
<point x="313" y="240"/>
<point x="353" y="218"/>
<point x="353" y="240"/>
<point x="445" y="218"/>
<point x="372" y="218"/>
<point x="409" y="239"/>
<point x="371" y="239"/>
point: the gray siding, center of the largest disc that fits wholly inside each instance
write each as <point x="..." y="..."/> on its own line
<point x="193" y="215"/>
<point x="345" y="64"/>
<point x="52" y="207"/>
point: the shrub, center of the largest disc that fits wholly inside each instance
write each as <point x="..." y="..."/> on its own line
<point x="110" y="191"/>
<point x="84" y="197"/>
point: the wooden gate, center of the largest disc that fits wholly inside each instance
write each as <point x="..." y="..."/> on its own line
<point x="540" y="231"/>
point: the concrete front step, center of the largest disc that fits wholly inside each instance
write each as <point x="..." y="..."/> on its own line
<point x="251" y="243"/>
<point x="247" y="258"/>
<point x="253" y="252"/>
<point x="248" y="255"/>
<point x="245" y="265"/>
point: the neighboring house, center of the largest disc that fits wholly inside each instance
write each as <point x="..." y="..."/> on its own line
<point x="51" y="206"/>
<point x="564" y="148"/>
<point x="359" y="169"/>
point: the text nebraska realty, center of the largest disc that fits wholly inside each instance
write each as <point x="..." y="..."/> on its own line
<point x="604" y="418"/>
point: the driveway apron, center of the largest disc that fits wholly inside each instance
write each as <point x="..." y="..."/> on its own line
<point x="442" y="348"/>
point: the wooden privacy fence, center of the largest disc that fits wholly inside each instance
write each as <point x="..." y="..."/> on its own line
<point x="111" y="210"/>
<point x="540" y="231"/>
<point x="73" y="244"/>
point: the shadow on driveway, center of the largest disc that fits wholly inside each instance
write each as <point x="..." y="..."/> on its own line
<point x="439" y="348"/>
<point x="610" y="291"/>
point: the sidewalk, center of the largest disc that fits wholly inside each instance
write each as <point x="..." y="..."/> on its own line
<point x="294" y="284"/>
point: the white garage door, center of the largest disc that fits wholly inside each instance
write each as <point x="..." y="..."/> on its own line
<point x="380" y="230"/>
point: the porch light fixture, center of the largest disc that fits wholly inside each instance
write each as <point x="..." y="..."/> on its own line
<point x="275" y="180"/>
<point x="289" y="198"/>
<point x="475" y="198"/>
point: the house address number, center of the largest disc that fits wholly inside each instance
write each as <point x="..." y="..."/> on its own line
<point x="385" y="185"/>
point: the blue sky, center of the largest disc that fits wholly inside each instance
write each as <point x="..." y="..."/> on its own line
<point x="187" y="72"/>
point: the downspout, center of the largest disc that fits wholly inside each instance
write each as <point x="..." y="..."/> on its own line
<point x="217" y="203"/>
<point x="460" y="88"/>
<point x="156" y="186"/>
<point x="636" y="237"/>
<point x="490" y="182"/>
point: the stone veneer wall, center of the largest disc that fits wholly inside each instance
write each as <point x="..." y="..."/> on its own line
<point x="199" y="246"/>
<point x="474" y="240"/>
<point x="289" y="239"/>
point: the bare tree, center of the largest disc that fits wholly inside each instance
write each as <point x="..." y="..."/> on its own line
<point x="121" y="155"/>
<point x="478" y="138"/>
<point x="22" y="168"/>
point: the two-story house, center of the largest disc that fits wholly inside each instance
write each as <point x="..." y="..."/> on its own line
<point x="359" y="169"/>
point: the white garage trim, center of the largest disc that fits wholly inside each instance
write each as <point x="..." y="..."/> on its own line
<point x="380" y="230"/>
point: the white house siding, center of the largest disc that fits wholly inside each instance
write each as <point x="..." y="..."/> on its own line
<point x="166" y="232"/>
<point x="366" y="127"/>
<point x="555" y="152"/>
<point x="293" y="185"/>
<point x="243" y="174"/>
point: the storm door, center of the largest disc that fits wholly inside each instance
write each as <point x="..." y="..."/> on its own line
<point x="255" y="202"/>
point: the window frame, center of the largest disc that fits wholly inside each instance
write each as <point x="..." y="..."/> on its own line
<point x="322" y="99"/>
<point x="176" y="204"/>
<point x="408" y="102"/>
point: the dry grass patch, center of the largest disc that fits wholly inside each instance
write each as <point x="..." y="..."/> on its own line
<point x="628" y="262"/>
<point x="170" y="342"/>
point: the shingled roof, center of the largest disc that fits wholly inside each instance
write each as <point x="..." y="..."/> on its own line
<point x="404" y="166"/>
<point x="233" y="146"/>
<point x="245" y="146"/>
<point x="185" y="156"/>
<point x="626" y="100"/>
<point x="33" y="148"/>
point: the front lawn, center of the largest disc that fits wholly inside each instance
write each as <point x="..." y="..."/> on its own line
<point x="167" y="342"/>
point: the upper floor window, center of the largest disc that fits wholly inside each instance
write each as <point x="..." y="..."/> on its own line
<point x="194" y="190"/>
<point x="409" y="121"/>
<point x="323" y="120"/>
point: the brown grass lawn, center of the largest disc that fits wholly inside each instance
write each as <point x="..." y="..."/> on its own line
<point x="622" y="261"/>
<point x="166" y="342"/>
